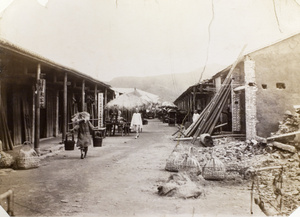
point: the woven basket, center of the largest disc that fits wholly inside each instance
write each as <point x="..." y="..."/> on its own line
<point x="214" y="170"/>
<point x="173" y="163"/>
<point x="28" y="162"/>
<point x="6" y="160"/>
<point x="27" y="158"/>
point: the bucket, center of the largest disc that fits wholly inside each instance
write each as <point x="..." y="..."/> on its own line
<point x="69" y="143"/>
<point x="206" y="140"/>
<point x="97" y="139"/>
<point x="97" y="142"/>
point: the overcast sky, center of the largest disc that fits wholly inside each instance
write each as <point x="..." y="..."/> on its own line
<point x="111" y="38"/>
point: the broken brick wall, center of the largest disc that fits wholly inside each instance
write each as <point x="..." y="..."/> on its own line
<point x="277" y="79"/>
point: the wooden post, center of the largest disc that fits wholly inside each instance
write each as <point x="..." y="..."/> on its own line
<point x="65" y="123"/>
<point x="56" y="115"/>
<point x="33" y="113"/>
<point x="194" y="98"/>
<point x="56" y="126"/>
<point x="0" y="95"/>
<point x="96" y="105"/>
<point x="82" y="95"/>
<point x="37" y="111"/>
<point x="105" y="98"/>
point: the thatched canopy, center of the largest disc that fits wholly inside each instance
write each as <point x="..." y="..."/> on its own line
<point x="128" y="101"/>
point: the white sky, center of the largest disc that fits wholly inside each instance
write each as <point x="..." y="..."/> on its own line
<point x="111" y="38"/>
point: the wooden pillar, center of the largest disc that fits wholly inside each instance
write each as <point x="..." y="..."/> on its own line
<point x="65" y="107"/>
<point x="37" y="111"/>
<point x="105" y="98"/>
<point x="33" y="113"/>
<point x="56" y="115"/>
<point x="96" y="105"/>
<point x="82" y="95"/>
<point x="0" y="95"/>
<point x="194" y="99"/>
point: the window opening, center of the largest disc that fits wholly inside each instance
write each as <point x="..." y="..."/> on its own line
<point x="280" y="85"/>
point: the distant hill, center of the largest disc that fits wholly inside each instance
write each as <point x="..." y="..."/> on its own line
<point x="168" y="86"/>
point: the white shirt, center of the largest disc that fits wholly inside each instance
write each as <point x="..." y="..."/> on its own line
<point x="136" y="119"/>
<point x="195" y="117"/>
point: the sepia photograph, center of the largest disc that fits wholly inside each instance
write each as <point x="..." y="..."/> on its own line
<point x="149" y="108"/>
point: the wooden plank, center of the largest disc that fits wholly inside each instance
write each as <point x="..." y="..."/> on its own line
<point x="220" y="125"/>
<point x="284" y="147"/>
<point x="214" y="104"/>
<point x="283" y="135"/>
<point x="214" y="137"/>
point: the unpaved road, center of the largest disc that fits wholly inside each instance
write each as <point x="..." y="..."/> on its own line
<point x="118" y="179"/>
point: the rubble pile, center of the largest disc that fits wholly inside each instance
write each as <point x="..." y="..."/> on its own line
<point x="279" y="189"/>
<point x="236" y="155"/>
<point x="279" y="192"/>
<point x="289" y="123"/>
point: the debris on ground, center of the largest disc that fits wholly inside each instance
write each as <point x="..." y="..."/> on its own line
<point x="180" y="185"/>
<point x="272" y="167"/>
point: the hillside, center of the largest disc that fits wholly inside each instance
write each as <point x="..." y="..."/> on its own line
<point x="168" y="86"/>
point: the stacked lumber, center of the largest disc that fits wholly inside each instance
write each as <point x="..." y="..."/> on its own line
<point x="210" y="115"/>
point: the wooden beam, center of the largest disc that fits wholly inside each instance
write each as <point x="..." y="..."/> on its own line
<point x="96" y="103"/>
<point x="37" y="111"/>
<point x="65" y="107"/>
<point x="221" y="125"/>
<point x="82" y="95"/>
<point x="194" y="99"/>
<point x="56" y="126"/>
<point x="283" y="135"/>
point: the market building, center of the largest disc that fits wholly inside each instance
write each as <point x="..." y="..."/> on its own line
<point x="263" y="85"/>
<point x="38" y="97"/>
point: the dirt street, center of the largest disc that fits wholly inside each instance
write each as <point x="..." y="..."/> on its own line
<point x="118" y="179"/>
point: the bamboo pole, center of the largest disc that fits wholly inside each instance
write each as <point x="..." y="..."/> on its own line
<point x="283" y="135"/>
<point x="209" y="116"/>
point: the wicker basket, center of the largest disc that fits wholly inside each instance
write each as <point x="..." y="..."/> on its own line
<point x="28" y="162"/>
<point x="27" y="158"/>
<point x="214" y="170"/>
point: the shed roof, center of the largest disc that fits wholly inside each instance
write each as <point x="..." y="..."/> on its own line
<point x="4" y="44"/>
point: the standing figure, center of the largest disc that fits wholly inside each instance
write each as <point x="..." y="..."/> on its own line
<point x="84" y="128"/>
<point x="136" y="122"/>
<point x="196" y="116"/>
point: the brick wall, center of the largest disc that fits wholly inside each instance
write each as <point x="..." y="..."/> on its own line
<point x="250" y="98"/>
<point x="236" y="101"/>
